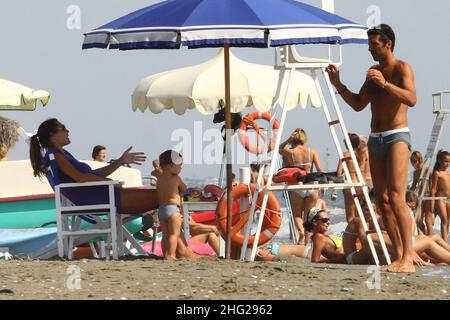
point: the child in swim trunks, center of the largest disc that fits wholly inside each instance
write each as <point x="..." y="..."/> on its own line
<point x="170" y="187"/>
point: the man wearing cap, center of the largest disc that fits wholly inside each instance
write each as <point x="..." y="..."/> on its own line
<point x="390" y="90"/>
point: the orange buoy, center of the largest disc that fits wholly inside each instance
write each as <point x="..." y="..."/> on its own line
<point x="272" y="216"/>
<point x="249" y="121"/>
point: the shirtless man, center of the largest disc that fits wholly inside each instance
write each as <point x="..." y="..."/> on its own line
<point x="390" y="89"/>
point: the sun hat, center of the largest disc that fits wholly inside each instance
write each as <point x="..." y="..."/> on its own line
<point x="313" y="212"/>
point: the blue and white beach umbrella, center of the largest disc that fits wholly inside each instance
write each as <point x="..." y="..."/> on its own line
<point x="225" y="23"/>
<point x="214" y="23"/>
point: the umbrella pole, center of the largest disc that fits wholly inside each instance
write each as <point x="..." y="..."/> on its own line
<point x="228" y="148"/>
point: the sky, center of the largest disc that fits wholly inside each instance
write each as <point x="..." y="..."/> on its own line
<point x="91" y="89"/>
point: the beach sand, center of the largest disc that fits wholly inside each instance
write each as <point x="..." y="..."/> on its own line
<point x="211" y="278"/>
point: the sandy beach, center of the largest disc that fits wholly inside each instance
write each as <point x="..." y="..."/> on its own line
<point x="210" y="279"/>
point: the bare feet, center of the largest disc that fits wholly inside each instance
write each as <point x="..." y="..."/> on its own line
<point x="191" y="255"/>
<point x="393" y="264"/>
<point x="402" y="266"/>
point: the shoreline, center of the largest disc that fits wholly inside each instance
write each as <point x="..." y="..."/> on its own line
<point x="290" y="278"/>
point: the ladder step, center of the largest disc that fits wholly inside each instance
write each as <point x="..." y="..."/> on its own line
<point x="346" y="159"/>
<point x="334" y="122"/>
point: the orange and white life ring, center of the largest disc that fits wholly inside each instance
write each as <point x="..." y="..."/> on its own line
<point x="272" y="217"/>
<point x="249" y="121"/>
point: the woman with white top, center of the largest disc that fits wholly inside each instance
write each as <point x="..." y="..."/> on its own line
<point x="304" y="157"/>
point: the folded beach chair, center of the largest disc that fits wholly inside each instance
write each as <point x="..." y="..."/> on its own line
<point x="104" y="219"/>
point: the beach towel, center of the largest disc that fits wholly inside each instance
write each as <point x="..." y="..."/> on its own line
<point x="195" y="246"/>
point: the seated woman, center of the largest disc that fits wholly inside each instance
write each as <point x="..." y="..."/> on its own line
<point x="431" y="248"/>
<point x="325" y="249"/>
<point x="356" y="248"/>
<point x="52" y="137"/>
<point x="205" y="234"/>
<point x="428" y="250"/>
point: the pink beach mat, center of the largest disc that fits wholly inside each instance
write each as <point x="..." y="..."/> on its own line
<point x="195" y="246"/>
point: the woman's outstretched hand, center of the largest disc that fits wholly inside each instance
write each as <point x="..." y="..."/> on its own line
<point x="132" y="157"/>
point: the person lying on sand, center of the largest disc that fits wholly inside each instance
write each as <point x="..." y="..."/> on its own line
<point x="325" y="248"/>
<point x="431" y="250"/>
<point x="355" y="241"/>
<point x="274" y="250"/>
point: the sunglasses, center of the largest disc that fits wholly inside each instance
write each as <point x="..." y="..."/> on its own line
<point x="324" y="220"/>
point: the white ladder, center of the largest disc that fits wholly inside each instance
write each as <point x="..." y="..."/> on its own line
<point x="314" y="66"/>
<point x="293" y="234"/>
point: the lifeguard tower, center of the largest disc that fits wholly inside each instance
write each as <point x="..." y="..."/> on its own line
<point x="291" y="60"/>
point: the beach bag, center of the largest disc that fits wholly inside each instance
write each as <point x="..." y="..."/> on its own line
<point x="323" y="177"/>
<point x="319" y="177"/>
<point x="289" y="175"/>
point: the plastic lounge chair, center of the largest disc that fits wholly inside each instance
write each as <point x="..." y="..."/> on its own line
<point x="104" y="218"/>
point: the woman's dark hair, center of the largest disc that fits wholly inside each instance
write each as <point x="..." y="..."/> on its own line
<point x="308" y="226"/>
<point x="97" y="150"/>
<point x="354" y="140"/>
<point x="41" y="140"/>
<point x="440" y="158"/>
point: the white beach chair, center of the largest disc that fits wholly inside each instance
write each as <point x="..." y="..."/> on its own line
<point x="105" y="220"/>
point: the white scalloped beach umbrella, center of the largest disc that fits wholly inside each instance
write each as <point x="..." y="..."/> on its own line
<point x="14" y="96"/>
<point x="203" y="86"/>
